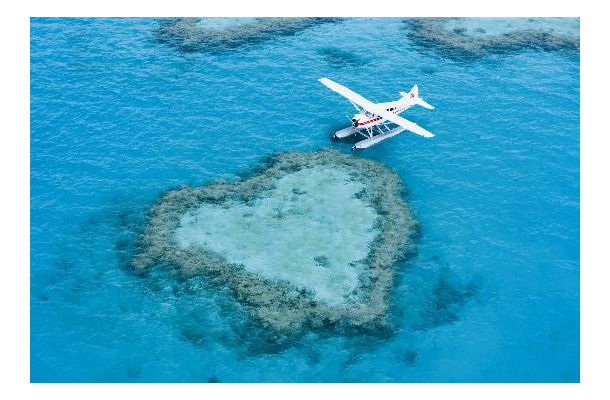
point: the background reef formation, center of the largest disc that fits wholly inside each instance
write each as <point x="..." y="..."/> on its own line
<point x="476" y="37"/>
<point x="220" y="34"/>
<point x="279" y="305"/>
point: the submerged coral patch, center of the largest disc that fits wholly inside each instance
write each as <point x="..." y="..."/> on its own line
<point x="215" y="35"/>
<point x="475" y="37"/>
<point x="312" y="241"/>
<point x="342" y="58"/>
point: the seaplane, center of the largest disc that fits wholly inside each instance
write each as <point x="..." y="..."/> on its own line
<point x="372" y="119"/>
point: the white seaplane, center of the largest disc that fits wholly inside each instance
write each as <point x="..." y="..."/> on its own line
<point x="372" y="117"/>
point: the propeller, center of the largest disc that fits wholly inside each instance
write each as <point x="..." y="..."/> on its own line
<point x="353" y="121"/>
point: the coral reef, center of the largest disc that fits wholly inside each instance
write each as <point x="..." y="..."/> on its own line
<point x="306" y="279"/>
<point x="476" y="37"/>
<point x="216" y="35"/>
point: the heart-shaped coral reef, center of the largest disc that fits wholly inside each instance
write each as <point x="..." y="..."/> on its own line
<point x="311" y="241"/>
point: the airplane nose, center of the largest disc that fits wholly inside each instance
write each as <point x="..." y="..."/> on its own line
<point x="355" y="122"/>
<point x="334" y="137"/>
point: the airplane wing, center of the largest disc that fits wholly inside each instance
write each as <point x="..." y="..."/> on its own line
<point x="372" y="107"/>
<point x="348" y="94"/>
<point x="405" y="123"/>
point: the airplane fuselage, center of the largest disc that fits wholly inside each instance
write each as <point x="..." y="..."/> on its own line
<point x="365" y="119"/>
<point x="370" y="121"/>
<point x="361" y="120"/>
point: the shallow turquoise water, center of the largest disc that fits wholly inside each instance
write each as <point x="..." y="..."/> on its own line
<point x="118" y="118"/>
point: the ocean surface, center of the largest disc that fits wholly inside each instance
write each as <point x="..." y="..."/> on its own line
<point x="118" y="118"/>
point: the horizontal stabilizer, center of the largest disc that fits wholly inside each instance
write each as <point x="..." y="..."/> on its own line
<point x="422" y="103"/>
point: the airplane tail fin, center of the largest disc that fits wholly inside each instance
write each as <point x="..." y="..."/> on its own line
<point x="414" y="95"/>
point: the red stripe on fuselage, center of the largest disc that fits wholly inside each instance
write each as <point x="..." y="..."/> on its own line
<point x="377" y="119"/>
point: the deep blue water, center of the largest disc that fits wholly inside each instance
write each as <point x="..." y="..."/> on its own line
<point x="118" y="118"/>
